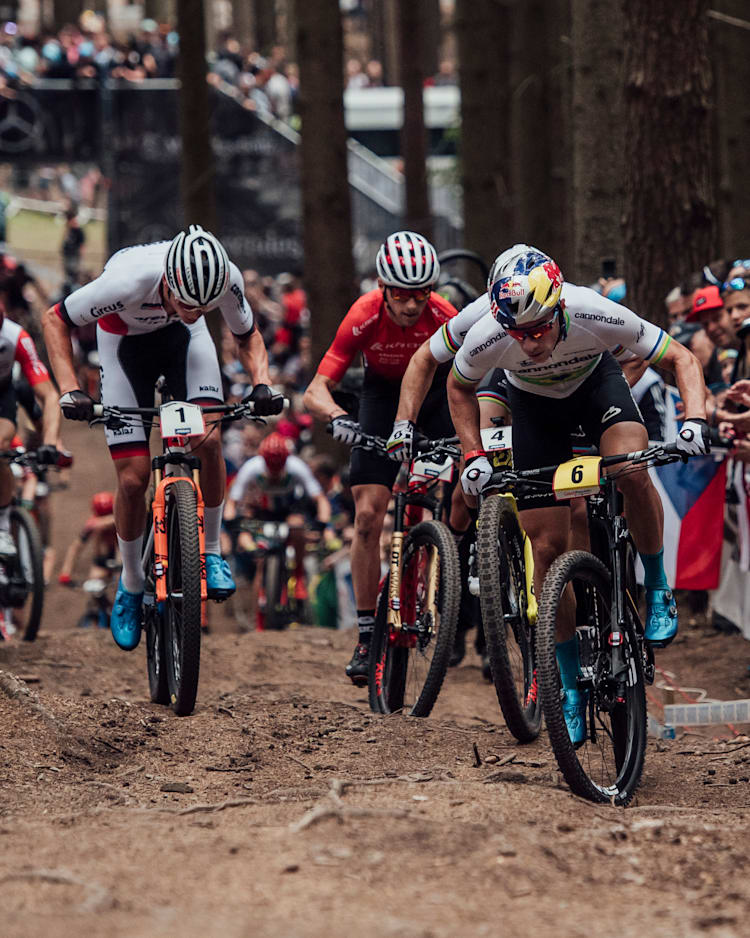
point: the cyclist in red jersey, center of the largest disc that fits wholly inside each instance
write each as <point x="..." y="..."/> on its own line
<point x="386" y="326"/>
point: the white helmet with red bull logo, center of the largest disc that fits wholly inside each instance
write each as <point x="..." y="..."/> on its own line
<point x="524" y="286"/>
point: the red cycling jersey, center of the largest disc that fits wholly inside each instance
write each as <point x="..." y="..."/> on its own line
<point x="386" y="348"/>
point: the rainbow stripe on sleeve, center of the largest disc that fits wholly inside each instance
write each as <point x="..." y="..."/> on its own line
<point x="660" y="347"/>
<point x="462" y="379"/>
<point x="450" y="342"/>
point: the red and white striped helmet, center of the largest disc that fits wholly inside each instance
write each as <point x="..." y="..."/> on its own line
<point x="406" y="259"/>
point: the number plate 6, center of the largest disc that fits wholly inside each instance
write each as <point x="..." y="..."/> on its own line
<point x="577" y="477"/>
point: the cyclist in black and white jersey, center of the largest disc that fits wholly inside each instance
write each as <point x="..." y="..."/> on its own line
<point x="148" y="304"/>
<point x="557" y="344"/>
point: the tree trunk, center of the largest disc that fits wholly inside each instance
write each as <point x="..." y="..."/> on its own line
<point x="197" y="179"/>
<point x="670" y="206"/>
<point x="480" y="27"/>
<point x="242" y="24"/>
<point x="728" y="44"/>
<point x="413" y="133"/>
<point x="392" y="59"/>
<point x="538" y="130"/>
<point x="66" y="11"/>
<point x="327" y="231"/>
<point x="432" y="35"/>
<point x="598" y="138"/>
<point x="264" y="25"/>
<point x="158" y="10"/>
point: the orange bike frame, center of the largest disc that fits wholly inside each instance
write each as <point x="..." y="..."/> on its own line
<point x="161" y="547"/>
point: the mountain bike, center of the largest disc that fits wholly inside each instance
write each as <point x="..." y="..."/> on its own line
<point x="506" y="579"/>
<point x="22" y="577"/>
<point x="173" y="556"/>
<point x="417" y="607"/>
<point x="616" y="663"/>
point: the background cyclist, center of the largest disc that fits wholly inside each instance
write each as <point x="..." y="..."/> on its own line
<point x="386" y="325"/>
<point x="149" y="303"/>
<point x="553" y="341"/>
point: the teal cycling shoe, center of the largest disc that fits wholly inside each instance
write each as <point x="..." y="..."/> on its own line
<point x="125" y="620"/>
<point x="574" y="704"/>
<point x="219" y="582"/>
<point x="661" y="617"/>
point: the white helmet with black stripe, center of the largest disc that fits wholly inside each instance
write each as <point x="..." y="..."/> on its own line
<point x="407" y="259"/>
<point x="197" y="267"/>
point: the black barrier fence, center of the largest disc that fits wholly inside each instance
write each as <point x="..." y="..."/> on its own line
<point x="132" y="132"/>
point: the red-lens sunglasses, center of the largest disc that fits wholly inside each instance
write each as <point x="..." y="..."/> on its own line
<point x="535" y="333"/>
<point x="401" y="296"/>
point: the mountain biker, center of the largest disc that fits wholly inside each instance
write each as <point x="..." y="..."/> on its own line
<point x="386" y="325"/>
<point x="17" y="345"/>
<point x="149" y="304"/>
<point x="553" y="339"/>
<point x="284" y="487"/>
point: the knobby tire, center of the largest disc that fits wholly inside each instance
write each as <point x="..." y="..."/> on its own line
<point x="22" y="523"/>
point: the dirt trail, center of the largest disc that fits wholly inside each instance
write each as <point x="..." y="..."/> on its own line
<point x="284" y="807"/>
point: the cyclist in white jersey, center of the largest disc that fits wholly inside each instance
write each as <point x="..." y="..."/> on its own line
<point x="148" y="304"/>
<point x="556" y="342"/>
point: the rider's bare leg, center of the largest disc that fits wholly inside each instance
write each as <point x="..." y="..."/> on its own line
<point x="213" y="484"/>
<point x="549" y="531"/>
<point x="133" y="473"/>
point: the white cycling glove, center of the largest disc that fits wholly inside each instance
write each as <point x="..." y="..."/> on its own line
<point x="693" y="438"/>
<point x="476" y="475"/>
<point x="400" y="445"/>
<point x="345" y="430"/>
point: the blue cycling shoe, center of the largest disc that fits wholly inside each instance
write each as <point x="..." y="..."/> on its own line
<point x="574" y="704"/>
<point x="219" y="582"/>
<point x="125" y="620"/>
<point x="661" y="617"/>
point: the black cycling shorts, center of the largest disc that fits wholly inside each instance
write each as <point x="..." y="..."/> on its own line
<point x="545" y="428"/>
<point x="8" y="403"/>
<point x="377" y="411"/>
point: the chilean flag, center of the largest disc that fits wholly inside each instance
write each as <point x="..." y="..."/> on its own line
<point x="692" y="495"/>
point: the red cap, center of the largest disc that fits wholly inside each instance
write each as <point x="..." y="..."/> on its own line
<point x="706" y="298"/>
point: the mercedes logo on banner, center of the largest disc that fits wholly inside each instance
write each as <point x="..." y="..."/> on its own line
<point x="21" y="123"/>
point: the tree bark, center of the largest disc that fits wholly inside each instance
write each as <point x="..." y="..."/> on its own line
<point x="242" y="24"/>
<point x="484" y="155"/>
<point x="327" y="232"/>
<point x="728" y="44"/>
<point x="413" y="133"/>
<point x="670" y="203"/>
<point x="264" y="25"/>
<point x="598" y="138"/>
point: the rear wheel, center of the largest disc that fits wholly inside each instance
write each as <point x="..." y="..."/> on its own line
<point x="607" y="767"/>
<point x="510" y="638"/>
<point x="28" y="571"/>
<point x="273" y="569"/>
<point x="408" y="665"/>
<point x="183" y="606"/>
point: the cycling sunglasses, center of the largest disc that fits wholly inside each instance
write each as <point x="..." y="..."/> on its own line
<point x="736" y="283"/>
<point x="535" y="333"/>
<point x="741" y="263"/>
<point x="401" y="296"/>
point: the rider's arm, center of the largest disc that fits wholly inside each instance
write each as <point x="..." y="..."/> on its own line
<point x="323" y="509"/>
<point x="689" y="377"/>
<point x="71" y="554"/>
<point x="60" y="350"/>
<point x="254" y="357"/>
<point x="319" y="401"/>
<point x="47" y="396"/>
<point x="416" y="382"/>
<point x="464" y="408"/>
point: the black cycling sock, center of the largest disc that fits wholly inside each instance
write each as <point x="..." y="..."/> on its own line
<point x="366" y="625"/>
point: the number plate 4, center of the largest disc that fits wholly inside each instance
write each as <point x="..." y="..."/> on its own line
<point x="179" y="418"/>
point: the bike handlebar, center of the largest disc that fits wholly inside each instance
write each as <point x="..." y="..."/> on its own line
<point x="112" y="416"/>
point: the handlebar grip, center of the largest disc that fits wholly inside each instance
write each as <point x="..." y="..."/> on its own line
<point x="98" y="410"/>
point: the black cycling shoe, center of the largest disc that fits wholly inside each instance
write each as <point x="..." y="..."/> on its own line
<point x="358" y="668"/>
<point x="459" y="649"/>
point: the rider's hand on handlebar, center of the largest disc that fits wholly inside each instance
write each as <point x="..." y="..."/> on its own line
<point x="47" y="455"/>
<point x="344" y="429"/>
<point x="476" y="475"/>
<point x="694" y="437"/>
<point x="266" y="401"/>
<point x="77" y="405"/>
<point x="400" y="444"/>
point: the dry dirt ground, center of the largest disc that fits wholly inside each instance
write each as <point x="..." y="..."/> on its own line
<point x="284" y="807"/>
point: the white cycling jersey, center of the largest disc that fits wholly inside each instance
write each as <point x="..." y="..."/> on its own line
<point x="594" y="325"/>
<point x="126" y="299"/>
<point x="255" y="472"/>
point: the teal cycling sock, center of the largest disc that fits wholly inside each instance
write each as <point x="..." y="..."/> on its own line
<point x="655" y="577"/>
<point x="567" y="662"/>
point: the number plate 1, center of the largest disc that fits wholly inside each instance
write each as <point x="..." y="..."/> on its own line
<point x="179" y="418"/>
<point x="577" y="477"/>
<point x="497" y="443"/>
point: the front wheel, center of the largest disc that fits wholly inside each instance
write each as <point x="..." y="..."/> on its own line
<point x="607" y="766"/>
<point x="183" y="607"/>
<point x="27" y="573"/>
<point x="509" y="636"/>
<point x="408" y="665"/>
